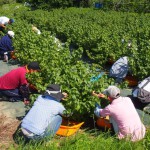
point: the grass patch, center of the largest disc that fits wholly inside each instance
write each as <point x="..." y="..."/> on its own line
<point x="86" y="140"/>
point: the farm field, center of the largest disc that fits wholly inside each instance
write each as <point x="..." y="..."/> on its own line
<point x="75" y="44"/>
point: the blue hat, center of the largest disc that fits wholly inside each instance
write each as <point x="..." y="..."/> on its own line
<point x="11" y="20"/>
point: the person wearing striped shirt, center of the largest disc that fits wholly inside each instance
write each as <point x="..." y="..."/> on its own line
<point x="45" y="116"/>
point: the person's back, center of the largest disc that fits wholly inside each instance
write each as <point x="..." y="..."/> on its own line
<point x="125" y="115"/>
<point x="6" y="44"/>
<point x="42" y="114"/>
<point x="13" y="79"/>
<point x="119" y="69"/>
<point x="45" y="117"/>
<point x="4" y="20"/>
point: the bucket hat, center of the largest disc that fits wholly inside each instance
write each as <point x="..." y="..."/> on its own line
<point x="54" y="91"/>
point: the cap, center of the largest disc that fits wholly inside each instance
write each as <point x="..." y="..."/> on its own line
<point x="11" y="20"/>
<point x="34" y="65"/>
<point x="112" y="91"/>
<point x="54" y="91"/>
<point x="11" y="34"/>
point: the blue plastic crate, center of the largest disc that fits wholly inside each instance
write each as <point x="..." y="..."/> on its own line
<point x="98" y="5"/>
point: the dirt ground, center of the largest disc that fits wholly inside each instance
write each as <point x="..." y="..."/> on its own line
<point x="8" y="127"/>
<point x="8" y="113"/>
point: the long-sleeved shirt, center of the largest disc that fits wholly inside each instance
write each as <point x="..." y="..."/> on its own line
<point x="41" y="114"/>
<point x="13" y="79"/>
<point x="120" y="68"/>
<point x="6" y="44"/>
<point x="125" y="115"/>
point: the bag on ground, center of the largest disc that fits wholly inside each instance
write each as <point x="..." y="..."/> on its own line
<point x="142" y="91"/>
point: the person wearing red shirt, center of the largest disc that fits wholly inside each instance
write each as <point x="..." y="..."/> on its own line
<point x="14" y="82"/>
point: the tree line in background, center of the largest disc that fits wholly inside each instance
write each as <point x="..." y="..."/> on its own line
<point x="118" y="5"/>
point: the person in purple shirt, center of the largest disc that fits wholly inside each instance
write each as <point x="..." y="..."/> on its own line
<point x="6" y="45"/>
<point x="123" y="115"/>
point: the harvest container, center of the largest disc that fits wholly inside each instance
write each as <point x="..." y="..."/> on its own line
<point x="98" y="5"/>
<point x="103" y="122"/>
<point x="68" y="128"/>
<point x="132" y="81"/>
<point x="12" y="55"/>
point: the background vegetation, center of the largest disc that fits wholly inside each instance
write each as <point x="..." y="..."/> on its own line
<point x="89" y="31"/>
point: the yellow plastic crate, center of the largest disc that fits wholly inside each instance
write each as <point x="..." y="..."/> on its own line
<point x="68" y="128"/>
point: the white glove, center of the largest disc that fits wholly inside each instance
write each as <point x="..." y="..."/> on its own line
<point x="97" y="112"/>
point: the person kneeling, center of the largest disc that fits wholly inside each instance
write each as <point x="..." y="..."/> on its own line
<point x="123" y="115"/>
<point x="45" y="117"/>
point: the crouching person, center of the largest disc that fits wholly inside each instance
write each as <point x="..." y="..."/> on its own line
<point x="45" y="116"/>
<point x="119" y="69"/>
<point x="123" y="115"/>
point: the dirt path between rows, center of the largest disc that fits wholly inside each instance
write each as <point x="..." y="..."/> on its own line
<point x="9" y="111"/>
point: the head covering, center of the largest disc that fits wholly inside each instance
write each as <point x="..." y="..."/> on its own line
<point x="11" y="20"/>
<point x="112" y="91"/>
<point x="34" y="65"/>
<point x="54" y="91"/>
<point x="11" y="34"/>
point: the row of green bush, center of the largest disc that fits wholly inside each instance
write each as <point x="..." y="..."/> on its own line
<point x="101" y="35"/>
<point x="57" y="65"/>
<point x="92" y="31"/>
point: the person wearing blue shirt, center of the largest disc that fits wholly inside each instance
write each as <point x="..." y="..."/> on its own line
<point x="45" y="116"/>
<point x="6" y="45"/>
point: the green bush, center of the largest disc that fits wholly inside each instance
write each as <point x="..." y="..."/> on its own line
<point x="2" y="2"/>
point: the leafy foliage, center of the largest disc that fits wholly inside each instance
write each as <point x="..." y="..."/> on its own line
<point x="59" y="66"/>
<point x="102" y="35"/>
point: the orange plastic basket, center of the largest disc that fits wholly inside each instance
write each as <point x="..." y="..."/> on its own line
<point x="12" y="54"/>
<point x="103" y="122"/>
<point x="132" y="81"/>
<point x="68" y="128"/>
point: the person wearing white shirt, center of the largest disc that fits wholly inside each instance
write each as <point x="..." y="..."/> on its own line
<point x="4" y="21"/>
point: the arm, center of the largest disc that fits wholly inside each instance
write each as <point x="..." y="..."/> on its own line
<point x="99" y="95"/>
<point x="24" y="87"/>
<point x="105" y="112"/>
<point x="24" y="90"/>
<point x="65" y="96"/>
<point x="2" y="25"/>
<point x="10" y="46"/>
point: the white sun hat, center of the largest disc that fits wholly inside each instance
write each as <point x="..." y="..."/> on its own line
<point x="11" y="34"/>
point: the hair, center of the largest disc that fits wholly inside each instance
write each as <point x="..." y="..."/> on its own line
<point x="33" y="65"/>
